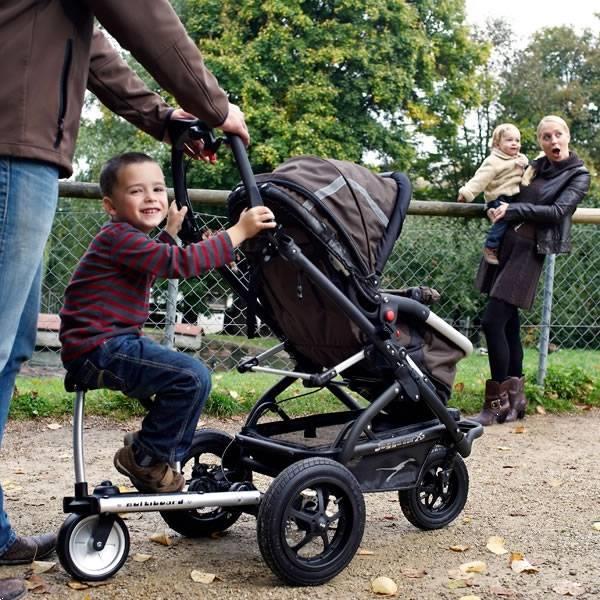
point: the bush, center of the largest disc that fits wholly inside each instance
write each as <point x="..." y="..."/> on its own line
<point x="563" y="389"/>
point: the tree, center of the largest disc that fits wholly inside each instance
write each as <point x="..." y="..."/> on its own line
<point x="558" y="73"/>
<point x="349" y="79"/>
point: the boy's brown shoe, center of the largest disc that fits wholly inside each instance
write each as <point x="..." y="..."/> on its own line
<point x="159" y="478"/>
<point x="490" y="255"/>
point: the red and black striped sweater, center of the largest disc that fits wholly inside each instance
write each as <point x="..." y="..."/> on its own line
<point x="109" y="292"/>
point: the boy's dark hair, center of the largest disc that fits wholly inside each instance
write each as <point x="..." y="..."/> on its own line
<point x="111" y="168"/>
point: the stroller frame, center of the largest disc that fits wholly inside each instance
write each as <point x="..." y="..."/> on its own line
<point x="321" y="464"/>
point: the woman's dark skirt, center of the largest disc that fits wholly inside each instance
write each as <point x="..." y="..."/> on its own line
<point x="516" y="278"/>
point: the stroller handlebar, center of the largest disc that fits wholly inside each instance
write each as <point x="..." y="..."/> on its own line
<point x="183" y="131"/>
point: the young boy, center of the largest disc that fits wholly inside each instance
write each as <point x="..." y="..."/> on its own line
<point x="498" y="178"/>
<point x="106" y="305"/>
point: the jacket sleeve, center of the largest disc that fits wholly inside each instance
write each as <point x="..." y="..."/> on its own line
<point x="112" y="81"/>
<point x="153" y="33"/>
<point x="479" y="181"/>
<point x="563" y="206"/>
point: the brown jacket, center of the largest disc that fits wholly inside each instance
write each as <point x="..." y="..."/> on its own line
<point x="51" y="52"/>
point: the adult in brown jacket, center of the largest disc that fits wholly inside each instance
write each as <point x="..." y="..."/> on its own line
<point x="51" y="52"/>
<point x="539" y="221"/>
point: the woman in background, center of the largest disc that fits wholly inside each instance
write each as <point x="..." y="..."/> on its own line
<point x="539" y="224"/>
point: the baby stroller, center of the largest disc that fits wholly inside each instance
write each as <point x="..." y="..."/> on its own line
<point x="385" y="356"/>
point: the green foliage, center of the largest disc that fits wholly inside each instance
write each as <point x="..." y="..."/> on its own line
<point x="343" y="79"/>
<point x="563" y="388"/>
<point x="572" y="379"/>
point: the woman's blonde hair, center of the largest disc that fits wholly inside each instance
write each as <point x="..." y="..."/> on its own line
<point x="552" y="119"/>
<point x="499" y="131"/>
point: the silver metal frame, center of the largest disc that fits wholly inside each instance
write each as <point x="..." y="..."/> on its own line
<point x="141" y="502"/>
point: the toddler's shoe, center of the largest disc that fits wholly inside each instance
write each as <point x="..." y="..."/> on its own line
<point x="158" y="478"/>
<point x="490" y="255"/>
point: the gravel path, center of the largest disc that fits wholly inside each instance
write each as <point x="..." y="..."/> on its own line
<point x="537" y="488"/>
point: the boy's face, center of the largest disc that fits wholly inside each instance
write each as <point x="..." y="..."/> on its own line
<point x="139" y="196"/>
<point x="510" y="142"/>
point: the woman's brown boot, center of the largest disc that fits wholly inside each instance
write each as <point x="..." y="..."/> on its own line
<point x="496" y="405"/>
<point x="516" y="397"/>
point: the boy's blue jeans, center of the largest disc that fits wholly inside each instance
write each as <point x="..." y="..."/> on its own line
<point x="28" y="196"/>
<point x="497" y="230"/>
<point x="140" y="368"/>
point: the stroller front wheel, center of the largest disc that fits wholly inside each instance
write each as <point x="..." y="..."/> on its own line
<point x="75" y="547"/>
<point x="311" y="521"/>
<point x="441" y="492"/>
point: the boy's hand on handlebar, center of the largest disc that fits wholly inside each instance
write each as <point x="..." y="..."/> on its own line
<point x="251" y="221"/>
<point x="235" y="124"/>
<point x="175" y="218"/>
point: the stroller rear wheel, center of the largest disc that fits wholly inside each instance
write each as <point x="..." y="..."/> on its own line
<point x="204" y="471"/>
<point x="311" y="521"/>
<point x="75" y="546"/>
<point x="441" y="492"/>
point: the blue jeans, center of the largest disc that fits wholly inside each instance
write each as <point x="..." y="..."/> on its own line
<point x="497" y="230"/>
<point x="28" y="195"/>
<point x="140" y="368"/>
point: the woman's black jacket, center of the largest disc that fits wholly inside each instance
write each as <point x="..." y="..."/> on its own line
<point x="562" y="189"/>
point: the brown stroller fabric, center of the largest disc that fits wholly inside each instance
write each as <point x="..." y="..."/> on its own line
<point x="345" y="219"/>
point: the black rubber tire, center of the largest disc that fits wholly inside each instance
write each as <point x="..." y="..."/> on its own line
<point x="205" y="522"/>
<point x="433" y="504"/>
<point x="300" y="538"/>
<point x="79" y="559"/>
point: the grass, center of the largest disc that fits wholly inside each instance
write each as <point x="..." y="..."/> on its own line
<point x="573" y="378"/>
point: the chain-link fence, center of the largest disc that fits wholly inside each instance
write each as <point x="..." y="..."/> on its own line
<point x="441" y="252"/>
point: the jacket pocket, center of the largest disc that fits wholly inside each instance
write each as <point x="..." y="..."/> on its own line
<point x="63" y="92"/>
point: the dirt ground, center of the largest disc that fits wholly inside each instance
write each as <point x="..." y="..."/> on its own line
<point x="538" y="488"/>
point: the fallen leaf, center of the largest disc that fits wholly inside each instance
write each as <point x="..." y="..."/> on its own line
<point x="365" y="552"/>
<point x="458" y="574"/>
<point x="519" y="564"/>
<point x="455" y="584"/>
<point x="201" y="577"/>
<point x="470" y="598"/>
<point x="568" y="588"/>
<point x="467" y="519"/>
<point x="459" y="387"/>
<point x="161" y="538"/>
<point x="37" y="585"/>
<point x="540" y="410"/>
<point x="475" y="566"/>
<point x="54" y="426"/>
<point x="520" y="429"/>
<point x="234" y="394"/>
<point x="504" y="448"/>
<point x="19" y="471"/>
<point x="459" y="548"/>
<point x="555" y="483"/>
<point x="77" y="585"/>
<point x="384" y="586"/>
<point x="42" y="566"/>
<point x="413" y="573"/>
<point x="596" y="525"/>
<point x="498" y="590"/>
<point x="495" y="544"/>
<point x="141" y="557"/>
